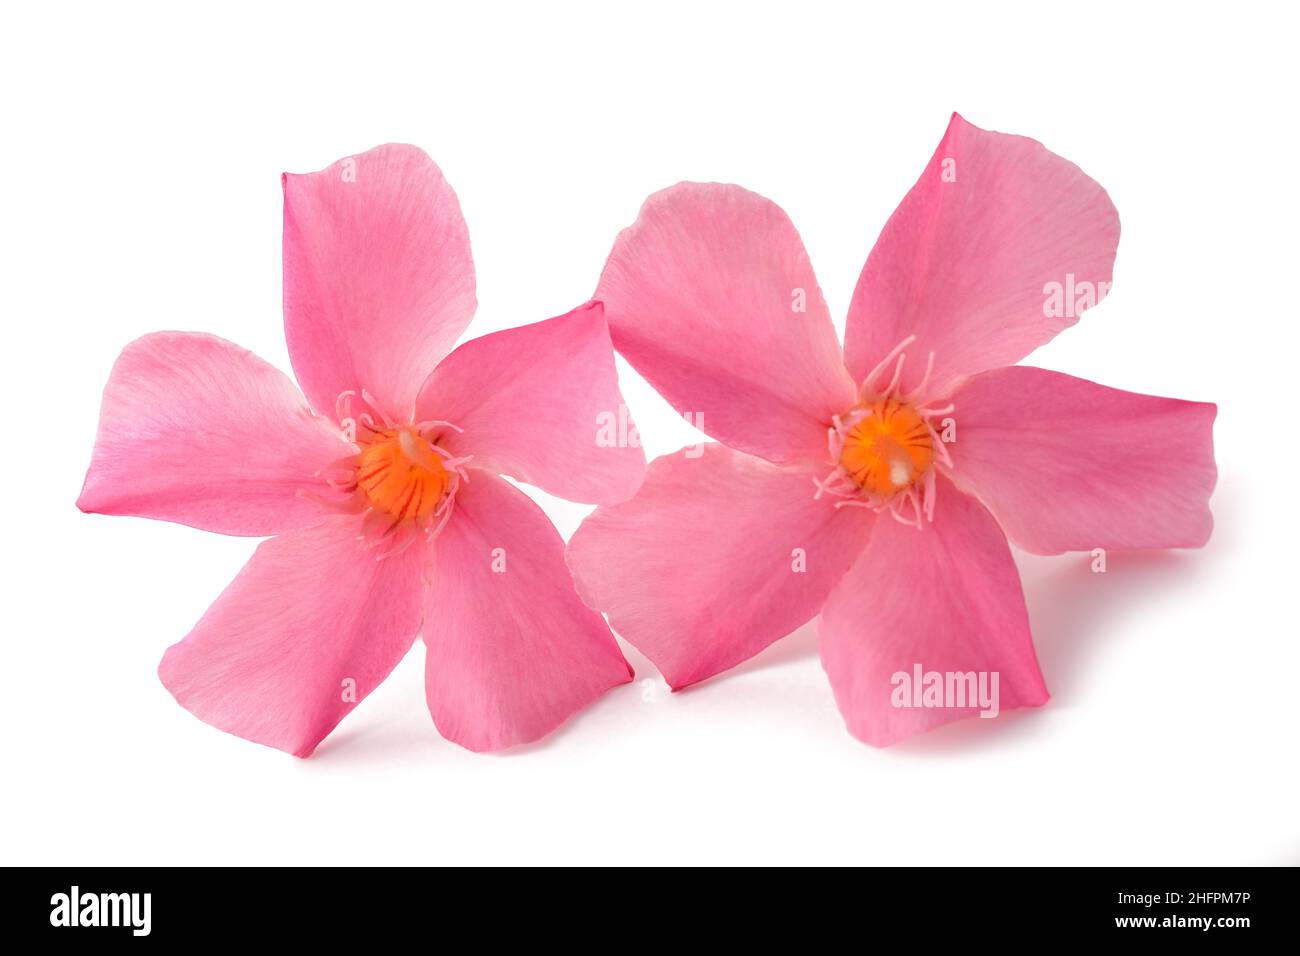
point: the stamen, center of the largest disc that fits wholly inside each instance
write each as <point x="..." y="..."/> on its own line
<point x="886" y="450"/>
<point x="884" y="362"/>
<point x="934" y="412"/>
<point x="364" y="420"/>
<point x="940" y="446"/>
<point x="401" y="479"/>
<point x="916" y="393"/>
<point x="351" y="423"/>
<point x="369" y="400"/>
<point x="893" y="511"/>
<point x="898" y="374"/>
<point x="423" y="427"/>
<point x="929" y="495"/>
<point x="858" y="503"/>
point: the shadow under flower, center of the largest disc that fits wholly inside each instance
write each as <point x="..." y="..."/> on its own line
<point x="1071" y="607"/>
<point x="1073" y="611"/>
<point x="411" y="734"/>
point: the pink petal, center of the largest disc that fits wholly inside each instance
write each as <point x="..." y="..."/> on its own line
<point x="1069" y="465"/>
<point x="536" y="403"/>
<point x="700" y="570"/>
<point x="947" y="598"/>
<point x="964" y="265"/>
<point x="512" y="652"/>
<point x="702" y="296"/>
<point x="378" y="279"/>
<point x="197" y="430"/>
<point x="309" y="627"/>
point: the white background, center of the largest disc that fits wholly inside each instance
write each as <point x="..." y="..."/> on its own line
<point x="142" y="154"/>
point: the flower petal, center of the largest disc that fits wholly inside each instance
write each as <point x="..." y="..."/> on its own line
<point x="1069" y="465"/>
<point x="711" y="297"/>
<point x="309" y="627"/>
<point x="947" y="598"/>
<point x="197" y="430"/>
<point x="512" y="652"/>
<point x="378" y="279"/>
<point x="965" y="262"/>
<point x="715" y="558"/>
<point x="536" y="403"/>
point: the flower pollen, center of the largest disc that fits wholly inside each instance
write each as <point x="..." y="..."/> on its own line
<point x="401" y="475"/>
<point x="885" y="451"/>
<point x="401" y="479"/>
<point x="887" y="448"/>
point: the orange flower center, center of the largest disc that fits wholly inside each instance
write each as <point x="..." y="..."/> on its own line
<point x="887" y="448"/>
<point x="401" y="475"/>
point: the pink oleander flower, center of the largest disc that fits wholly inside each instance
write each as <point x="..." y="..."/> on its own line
<point x="838" y="487"/>
<point x="384" y="494"/>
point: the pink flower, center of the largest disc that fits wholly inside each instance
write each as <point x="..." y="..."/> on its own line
<point x="386" y="504"/>
<point x="837" y="488"/>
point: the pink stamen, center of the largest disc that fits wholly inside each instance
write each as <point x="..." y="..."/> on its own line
<point x="898" y="374"/>
<point x="915" y="393"/>
<point x="374" y="405"/>
<point x="884" y="362"/>
<point x="940" y="446"/>
<point x="423" y="427"/>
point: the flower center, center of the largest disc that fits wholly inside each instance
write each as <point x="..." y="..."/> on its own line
<point x="401" y="479"/>
<point x="885" y="450"/>
<point x="401" y="475"/>
<point x="887" y="447"/>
